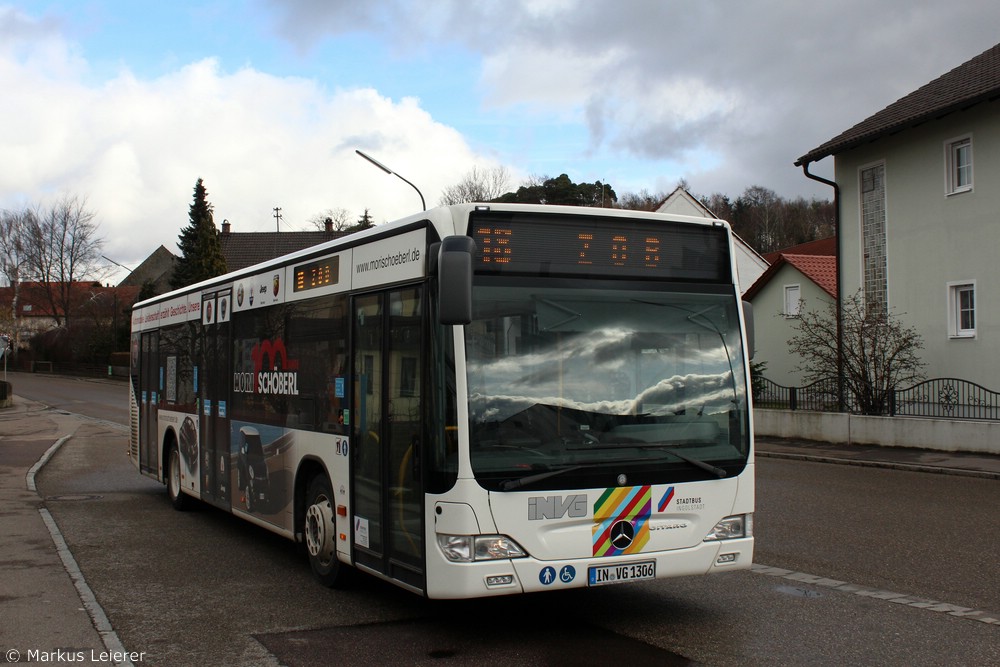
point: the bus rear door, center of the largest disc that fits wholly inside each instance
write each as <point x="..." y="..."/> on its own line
<point x="215" y="384"/>
<point x="149" y="386"/>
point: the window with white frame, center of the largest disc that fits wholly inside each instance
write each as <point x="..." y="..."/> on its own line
<point x="962" y="309"/>
<point x="793" y="300"/>
<point x="958" y="157"/>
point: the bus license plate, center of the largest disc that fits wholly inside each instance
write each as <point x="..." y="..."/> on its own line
<point x="619" y="574"/>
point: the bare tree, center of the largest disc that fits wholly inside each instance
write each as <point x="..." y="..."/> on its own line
<point x="339" y="217"/>
<point x="761" y="212"/>
<point x="643" y="200"/>
<point x="879" y="353"/>
<point x="61" y="248"/>
<point x="479" y="185"/>
<point x="13" y="258"/>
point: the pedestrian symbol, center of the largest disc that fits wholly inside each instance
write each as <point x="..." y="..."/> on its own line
<point x="547" y="575"/>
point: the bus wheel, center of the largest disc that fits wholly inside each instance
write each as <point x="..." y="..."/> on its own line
<point x="180" y="500"/>
<point x="320" y="531"/>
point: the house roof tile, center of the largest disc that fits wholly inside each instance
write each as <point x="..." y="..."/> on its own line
<point x="827" y="246"/>
<point x="245" y="249"/>
<point x="821" y="269"/>
<point x="32" y="300"/>
<point x="972" y="82"/>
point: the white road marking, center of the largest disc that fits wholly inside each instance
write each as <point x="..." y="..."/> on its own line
<point x="980" y="615"/>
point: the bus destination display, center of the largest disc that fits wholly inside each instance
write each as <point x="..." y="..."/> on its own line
<point x="320" y="273"/>
<point x="612" y="247"/>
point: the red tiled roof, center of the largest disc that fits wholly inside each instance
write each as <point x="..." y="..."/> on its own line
<point x="827" y="246"/>
<point x="821" y="269"/>
<point x="32" y="301"/>
<point x="975" y="81"/>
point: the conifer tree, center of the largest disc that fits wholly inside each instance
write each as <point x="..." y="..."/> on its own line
<point x="201" y="252"/>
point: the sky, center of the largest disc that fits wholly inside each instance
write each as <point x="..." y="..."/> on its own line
<point x="127" y="103"/>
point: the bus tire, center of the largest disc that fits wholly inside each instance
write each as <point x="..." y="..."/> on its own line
<point x="320" y="530"/>
<point x="180" y="500"/>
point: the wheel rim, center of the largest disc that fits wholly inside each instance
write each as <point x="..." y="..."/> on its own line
<point x="175" y="473"/>
<point x="319" y="530"/>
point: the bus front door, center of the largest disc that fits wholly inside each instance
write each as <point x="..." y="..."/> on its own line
<point x="387" y="429"/>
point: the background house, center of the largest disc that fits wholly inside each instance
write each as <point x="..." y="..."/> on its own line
<point x="154" y="270"/>
<point x="88" y="303"/>
<point x="919" y="202"/>
<point x="800" y="278"/>
<point x="241" y="249"/>
<point x="85" y="328"/>
<point x="749" y="264"/>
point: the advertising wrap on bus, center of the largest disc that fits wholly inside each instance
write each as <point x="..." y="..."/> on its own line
<point x="402" y="259"/>
<point x="180" y="309"/>
<point x="476" y="400"/>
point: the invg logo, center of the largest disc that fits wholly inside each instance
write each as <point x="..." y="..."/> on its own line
<point x="556" y="507"/>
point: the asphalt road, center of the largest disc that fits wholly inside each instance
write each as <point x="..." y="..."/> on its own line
<point x="856" y="566"/>
<point x="98" y="398"/>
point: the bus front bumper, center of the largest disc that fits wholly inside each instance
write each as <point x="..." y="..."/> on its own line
<point x="447" y="579"/>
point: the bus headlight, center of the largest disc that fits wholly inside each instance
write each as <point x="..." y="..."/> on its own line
<point x="732" y="527"/>
<point x="468" y="548"/>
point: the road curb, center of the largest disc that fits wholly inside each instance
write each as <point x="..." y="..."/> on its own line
<point x="98" y="617"/>
<point x="29" y="478"/>
<point x="100" y="620"/>
<point x="890" y="465"/>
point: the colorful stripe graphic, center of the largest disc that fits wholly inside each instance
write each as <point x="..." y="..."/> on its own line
<point x="665" y="500"/>
<point x="633" y="504"/>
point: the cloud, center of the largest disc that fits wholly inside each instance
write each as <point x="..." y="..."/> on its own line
<point x="638" y="94"/>
<point x="732" y="93"/>
<point x="135" y="147"/>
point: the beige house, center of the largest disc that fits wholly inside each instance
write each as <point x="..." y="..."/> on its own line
<point x="799" y="279"/>
<point x="918" y="191"/>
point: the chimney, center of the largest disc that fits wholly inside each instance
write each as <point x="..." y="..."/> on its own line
<point x="328" y="225"/>
<point x="225" y="226"/>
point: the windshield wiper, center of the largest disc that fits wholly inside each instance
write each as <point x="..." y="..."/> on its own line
<point x="511" y="484"/>
<point x="661" y="446"/>
<point x="698" y="463"/>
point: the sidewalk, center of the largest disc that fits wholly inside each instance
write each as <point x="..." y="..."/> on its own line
<point x="42" y="615"/>
<point x="898" y="458"/>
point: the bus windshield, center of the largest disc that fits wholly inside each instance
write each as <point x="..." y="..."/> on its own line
<point x="582" y="388"/>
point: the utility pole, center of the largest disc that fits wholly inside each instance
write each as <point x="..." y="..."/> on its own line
<point x="277" y="218"/>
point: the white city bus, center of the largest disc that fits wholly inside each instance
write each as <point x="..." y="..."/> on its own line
<point x="476" y="400"/>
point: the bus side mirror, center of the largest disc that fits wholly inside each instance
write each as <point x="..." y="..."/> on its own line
<point x="454" y="268"/>
<point x="748" y="321"/>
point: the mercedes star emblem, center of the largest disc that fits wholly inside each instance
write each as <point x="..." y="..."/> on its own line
<point x="622" y="534"/>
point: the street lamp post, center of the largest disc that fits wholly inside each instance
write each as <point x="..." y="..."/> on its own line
<point x="114" y="315"/>
<point x="390" y="171"/>
<point x="122" y="266"/>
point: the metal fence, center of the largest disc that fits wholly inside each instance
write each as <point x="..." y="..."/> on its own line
<point x="946" y="398"/>
<point x="819" y="396"/>
<point x="942" y="398"/>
